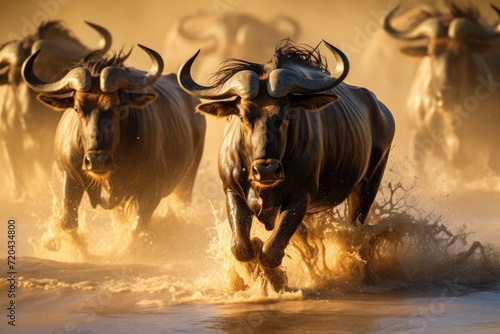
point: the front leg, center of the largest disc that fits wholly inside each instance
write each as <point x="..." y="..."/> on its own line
<point x="147" y="204"/>
<point x="240" y="218"/>
<point x="72" y="193"/>
<point x="292" y="215"/>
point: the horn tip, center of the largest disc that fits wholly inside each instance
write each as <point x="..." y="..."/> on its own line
<point x="93" y="25"/>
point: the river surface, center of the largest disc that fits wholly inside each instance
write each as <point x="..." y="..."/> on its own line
<point x="435" y="270"/>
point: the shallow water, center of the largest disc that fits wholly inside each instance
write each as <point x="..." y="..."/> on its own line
<point x="428" y="272"/>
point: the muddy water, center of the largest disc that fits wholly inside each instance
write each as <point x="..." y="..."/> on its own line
<point x="434" y="244"/>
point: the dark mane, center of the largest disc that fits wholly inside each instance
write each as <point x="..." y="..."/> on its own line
<point x="286" y="54"/>
<point x="470" y="12"/>
<point x="96" y="61"/>
<point x="55" y="29"/>
<point x="232" y="66"/>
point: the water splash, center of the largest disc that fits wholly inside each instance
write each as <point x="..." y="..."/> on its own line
<point x="399" y="246"/>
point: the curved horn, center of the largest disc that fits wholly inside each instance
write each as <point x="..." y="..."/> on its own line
<point x="244" y="84"/>
<point x="12" y="53"/>
<point x="71" y="50"/>
<point x="284" y="81"/>
<point x="204" y="32"/>
<point x="431" y="27"/>
<point x="114" y="78"/>
<point x="77" y="79"/>
<point x="462" y="28"/>
<point x="105" y="43"/>
<point x="295" y="31"/>
<point x="4" y="75"/>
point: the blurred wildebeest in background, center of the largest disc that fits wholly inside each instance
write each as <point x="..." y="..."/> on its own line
<point x="238" y="35"/>
<point x="26" y="126"/>
<point x="454" y="103"/>
<point x="299" y="141"/>
<point x="127" y="138"/>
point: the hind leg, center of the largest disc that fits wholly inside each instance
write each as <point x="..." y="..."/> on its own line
<point x="184" y="190"/>
<point x="361" y="199"/>
<point x="359" y="205"/>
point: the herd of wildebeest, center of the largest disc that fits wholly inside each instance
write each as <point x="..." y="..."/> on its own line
<point x="298" y="139"/>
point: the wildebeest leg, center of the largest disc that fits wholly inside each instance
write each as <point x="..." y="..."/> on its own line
<point x="292" y="214"/>
<point x="361" y="199"/>
<point x="72" y="193"/>
<point x="15" y="156"/>
<point x="147" y="204"/>
<point x="184" y="189"/>
<point x="359" y="206"/>
<point x="240" y="219"/>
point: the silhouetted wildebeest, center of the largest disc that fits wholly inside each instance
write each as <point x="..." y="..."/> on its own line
<point x="237" y="35"/>
<point x="125" y="137"/>
<point x="299" y="141"/>
<point x="27" y="127"/>
<point x="453" y="105"/>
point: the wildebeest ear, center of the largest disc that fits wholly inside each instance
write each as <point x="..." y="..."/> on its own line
<point x="415" y="51"/>
<point x="312" y="101"/>
<point x="56" y="102"/>
<point x="218" y="109"/>
<point x="137" y="100"/>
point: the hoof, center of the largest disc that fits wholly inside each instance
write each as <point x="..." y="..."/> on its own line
<point x="51" y="243"/>
<point x="277" y="278"/>
<point x="236" y="282"/>
<point x="141" y="239"/>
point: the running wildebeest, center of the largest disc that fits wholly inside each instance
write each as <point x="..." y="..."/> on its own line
<point x="126" y="136"/>
<point x="453" y="105"/>
<point x="27" y="127"/>
<point x="299" y="141"/>
<point x="235" y="35"/>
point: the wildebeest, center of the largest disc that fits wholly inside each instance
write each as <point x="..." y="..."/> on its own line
<point x="27" y="127"/>
<point x="299" y="141"/>
<point x="453" y="104"/>
<point x="126" y="137"/>
<point x="237" y="35"/>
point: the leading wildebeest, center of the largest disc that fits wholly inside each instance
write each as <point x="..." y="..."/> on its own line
<point x="289" y="150"/>
<point x="27" y="127"/>
<point x="453" y="105"/>
<point x="126" y="137"/>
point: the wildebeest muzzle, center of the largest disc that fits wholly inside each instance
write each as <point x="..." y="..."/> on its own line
<point x="267" y="172"/>
<point x="98" y="162"/>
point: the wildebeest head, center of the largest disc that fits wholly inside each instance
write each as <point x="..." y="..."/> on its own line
<point x="452" y="41"/>
<point x="60" y="46"/>
<point x="265" y="98"/>
<point x="100" y="90"/>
